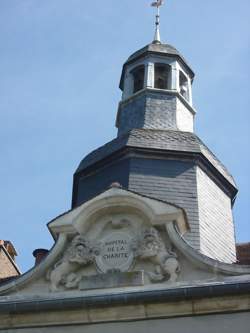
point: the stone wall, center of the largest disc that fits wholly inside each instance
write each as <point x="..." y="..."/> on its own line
<point x="6" y="267"/>
<point x="224" y="323"/>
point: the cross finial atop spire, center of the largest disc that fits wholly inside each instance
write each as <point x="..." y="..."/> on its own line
<point x="157" y="4"/>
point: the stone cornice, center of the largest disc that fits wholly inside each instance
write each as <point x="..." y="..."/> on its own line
<point x="176" y="302"/>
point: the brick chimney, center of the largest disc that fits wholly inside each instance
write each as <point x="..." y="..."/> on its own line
<point x="39" y="255"/>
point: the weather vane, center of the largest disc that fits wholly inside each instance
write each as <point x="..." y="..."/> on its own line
<point x="157" y="4"/>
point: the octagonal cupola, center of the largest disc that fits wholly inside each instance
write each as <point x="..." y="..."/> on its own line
<point x="156" y="84"/>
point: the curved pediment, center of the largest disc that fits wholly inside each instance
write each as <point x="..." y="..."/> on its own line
<point x="119" y="239"/>
<point x="115" y="201"/>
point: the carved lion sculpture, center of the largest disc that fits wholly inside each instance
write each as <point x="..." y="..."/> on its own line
<point x="151" y="247"/>
<point x="80" y="253"/>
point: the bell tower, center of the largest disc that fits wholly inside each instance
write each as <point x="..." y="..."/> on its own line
<point x="158" y="155"/>
<point x="156" y="86"/>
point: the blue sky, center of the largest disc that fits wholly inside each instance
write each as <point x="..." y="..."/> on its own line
<point x="60" y="64"/>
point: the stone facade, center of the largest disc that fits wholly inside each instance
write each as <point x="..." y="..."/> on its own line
<point x="8" y="267"/>
<point x="149" y="243"/>
<point x="120" y="260"/>
<point x="92" y="321"/>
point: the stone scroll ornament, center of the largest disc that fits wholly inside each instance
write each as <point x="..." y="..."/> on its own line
<point x="151" y="247"/>
<point x="79" y="254"/>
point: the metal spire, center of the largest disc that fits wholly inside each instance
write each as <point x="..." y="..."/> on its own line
<point x="157" y="37"/>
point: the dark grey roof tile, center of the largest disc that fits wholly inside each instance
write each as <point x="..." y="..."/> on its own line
<point x="156" y="139"/>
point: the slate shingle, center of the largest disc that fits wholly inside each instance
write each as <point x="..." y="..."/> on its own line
<point x="175" y="141"/>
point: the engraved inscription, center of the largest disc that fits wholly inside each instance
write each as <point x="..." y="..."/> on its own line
<point x="115" y="252"/>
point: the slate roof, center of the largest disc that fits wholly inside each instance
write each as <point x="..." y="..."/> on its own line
<point x="161" y="49"/>
<point x="175" y="141"/>
<point x="165" y="49"/>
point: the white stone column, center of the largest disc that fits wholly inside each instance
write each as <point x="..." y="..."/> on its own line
<point x="149" y="75"/>
<point x="174" y="77"/>
<point x="190" y="92"/>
